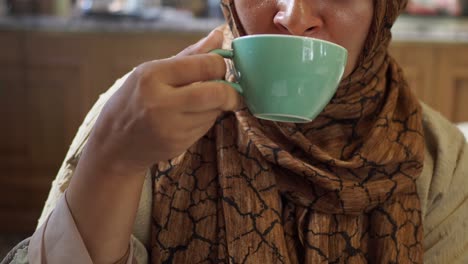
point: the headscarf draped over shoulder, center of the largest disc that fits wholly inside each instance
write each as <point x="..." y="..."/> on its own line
<point x="340" y="189"/>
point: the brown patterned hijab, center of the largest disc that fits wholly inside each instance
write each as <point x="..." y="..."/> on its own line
<point x="340" y="189"/>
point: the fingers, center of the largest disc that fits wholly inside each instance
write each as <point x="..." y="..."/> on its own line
<point x="202" y="119"/>
<point x="186" y="128"/>
<point x="182" y="71"/>
<point x="205" y="70"/>
<point x="194" y="64"/>
<point x="201" y="129"/>
<point x="207" y="96"/>
<point x="196" y="68"/>
<point x="214" y="40"/>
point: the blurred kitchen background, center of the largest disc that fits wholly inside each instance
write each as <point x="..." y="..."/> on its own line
<point x="57" y="56"/>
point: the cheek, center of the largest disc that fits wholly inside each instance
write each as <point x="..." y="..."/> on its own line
<point x="256" y="16"/>
<point x="349" y="28"/>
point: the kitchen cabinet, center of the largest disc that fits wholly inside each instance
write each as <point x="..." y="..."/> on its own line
<point x="49" y="81"/>
<point x="438" y="74"/>
<point x="452" y="80"/>
<point x="417" y="63"/>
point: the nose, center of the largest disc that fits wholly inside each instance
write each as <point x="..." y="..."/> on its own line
<point x="298" y="17"/>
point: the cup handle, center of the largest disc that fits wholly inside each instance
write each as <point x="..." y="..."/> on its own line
<point x="228" y="54"/>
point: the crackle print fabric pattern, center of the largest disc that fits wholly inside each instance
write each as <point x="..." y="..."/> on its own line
<point x="340" y="189"/>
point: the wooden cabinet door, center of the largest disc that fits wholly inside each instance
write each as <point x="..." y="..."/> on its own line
<point x="13" y="147"/>
<point x="55" y="96"/>
<point x="53" y="99"/>
<point x="452" y="84"/>
<point x="417" y="61"/>
<point x="17" y="200"/>
<point x="54" y="102"/>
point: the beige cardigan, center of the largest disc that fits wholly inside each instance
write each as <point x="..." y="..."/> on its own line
<point x="443" y="188"/>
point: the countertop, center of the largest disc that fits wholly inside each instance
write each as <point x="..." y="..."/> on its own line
<point x="431" y="29"/>
<point x="407" y="28"/>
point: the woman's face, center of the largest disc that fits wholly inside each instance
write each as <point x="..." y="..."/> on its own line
<point x="344" y="22"/>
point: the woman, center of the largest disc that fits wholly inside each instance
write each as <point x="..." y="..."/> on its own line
<point x="376" y="178"/>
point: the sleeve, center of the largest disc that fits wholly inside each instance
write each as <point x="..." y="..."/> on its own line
<point x="445" y="194"/>
<point x="19" y="254"/>
<point x="137" y="254"/>
<point x="58" y="240"/>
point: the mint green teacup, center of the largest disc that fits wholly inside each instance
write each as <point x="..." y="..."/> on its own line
<point x="286" y="78"/>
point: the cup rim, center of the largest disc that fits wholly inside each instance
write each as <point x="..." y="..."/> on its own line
<point x="290" y="36"/>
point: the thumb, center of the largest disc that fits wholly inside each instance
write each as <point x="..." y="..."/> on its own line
<point x="214" y="40"/>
